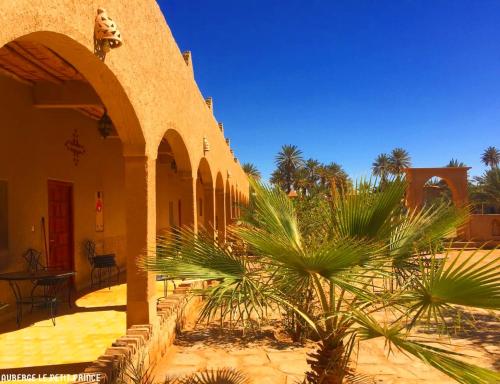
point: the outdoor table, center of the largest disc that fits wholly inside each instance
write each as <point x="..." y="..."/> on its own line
<point x="43" y="276"/>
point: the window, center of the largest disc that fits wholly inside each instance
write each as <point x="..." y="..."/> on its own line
<point x="4" y="233"/>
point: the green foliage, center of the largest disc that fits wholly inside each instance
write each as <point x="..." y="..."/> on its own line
<point x="251" y="170"/>
<point x="333" y="280"/>
<point x="214" y="376"/>
<point x="486" y="191"/>
<point x="394" y="163"/>
<point x="308" y="177"/>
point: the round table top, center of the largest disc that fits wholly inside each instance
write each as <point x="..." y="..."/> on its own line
<point x="38" y="275"/>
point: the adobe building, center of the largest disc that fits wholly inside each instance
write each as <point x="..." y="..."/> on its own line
<point x="104" y="135"/>
<point x="481" y="228"/>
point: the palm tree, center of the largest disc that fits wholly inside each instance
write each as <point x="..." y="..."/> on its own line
<point x="486" y="191"/>
<point x="251" y="170"/>
<point x="454" y="163"/>
<point x="312" y="168"/>
<point x="336" y="286"/>
<point x="491" y="157"/>
<point x="399" y="160"/>
<point x="289" y="160"/>
<point x="381" y="167"/>
<point x="336" y="176"/>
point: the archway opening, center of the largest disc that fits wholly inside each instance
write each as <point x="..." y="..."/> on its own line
<point x="205" y="195"/>
<point x="436" y="191"/>
<point x="173" y="188"/>
<point x="63" y="171"/>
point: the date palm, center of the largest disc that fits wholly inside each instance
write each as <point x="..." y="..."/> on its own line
<point x="288" y="161"/>
<point x="399" y="160"/>
<point x="454" y="163"/>
<point x="336" y="285"/>
<point x="491" y="157"/>
<point x="381" y="167"/>
<point x="251" y="170"/>
<point x="312" y="168"/>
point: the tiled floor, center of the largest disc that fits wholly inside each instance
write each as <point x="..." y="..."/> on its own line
<point x="81" y="334"/>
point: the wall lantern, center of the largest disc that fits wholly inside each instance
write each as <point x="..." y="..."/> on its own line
<point x="106" y="31"/>
<point x="206" y="144"/>
<point x="105" y="125"/>
<point x="173" y="166"/>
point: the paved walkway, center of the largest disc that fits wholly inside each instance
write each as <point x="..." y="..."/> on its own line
<point x="267" y="361"/>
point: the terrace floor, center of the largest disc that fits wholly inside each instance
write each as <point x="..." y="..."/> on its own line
<point x="81" y="334"/>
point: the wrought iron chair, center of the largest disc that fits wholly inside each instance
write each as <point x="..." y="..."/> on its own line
<point x="100" y="263"/>
<point x="45" y="291"/>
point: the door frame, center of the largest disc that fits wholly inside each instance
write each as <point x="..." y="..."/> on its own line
<point x="71" y="220"/>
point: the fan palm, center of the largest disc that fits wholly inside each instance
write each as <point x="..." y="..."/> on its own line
<point x="336" y="285"/>
<point x="491" y="157"/>
<point x="288" y="161"/>
<point x="251" y="170"/>
<point x="399" y="160"/>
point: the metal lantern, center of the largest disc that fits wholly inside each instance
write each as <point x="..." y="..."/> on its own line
<point x="106" y="31"/>
<point x="206" y="144"/>
<point x="105" y="126"/>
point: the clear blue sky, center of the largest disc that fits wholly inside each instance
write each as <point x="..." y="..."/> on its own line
<point x="347" y="80"/>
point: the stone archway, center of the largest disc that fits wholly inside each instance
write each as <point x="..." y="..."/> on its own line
<point x="205" y="194"/>
<point x="455" y="178"/>
<point x="63" y="75"/>
<point x="175" y="203"/>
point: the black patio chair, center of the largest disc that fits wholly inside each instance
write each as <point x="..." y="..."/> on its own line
<point x="45" y="292"/>
<point x="101" y="263"/>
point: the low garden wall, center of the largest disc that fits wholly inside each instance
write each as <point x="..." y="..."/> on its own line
<point x="144" y="343"/>
<point x="485" y="228"/>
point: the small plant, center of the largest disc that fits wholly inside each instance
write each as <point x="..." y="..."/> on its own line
<point x="136" y="369"/>
<point x="215" y="376"/>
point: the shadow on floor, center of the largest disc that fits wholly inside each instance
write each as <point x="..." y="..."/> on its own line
<point x="479" y="328"/>
<point x="8" y="322"/>
<point x="213" y="335"/>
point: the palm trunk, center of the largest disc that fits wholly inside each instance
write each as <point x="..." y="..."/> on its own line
<point x="327" y="363"/>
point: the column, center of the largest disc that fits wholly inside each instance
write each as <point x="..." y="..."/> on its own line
<point x="140" y="200"/>
<point x="209" y="201"/>
<point x="220" y="206"/>
<point x="189" y="215"/>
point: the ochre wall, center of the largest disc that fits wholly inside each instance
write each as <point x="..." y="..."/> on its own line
<point x="481" y="228"/>
<point x="149" y="67"/>
<point x="148" y="91"/>
<point x="32" y="151"/>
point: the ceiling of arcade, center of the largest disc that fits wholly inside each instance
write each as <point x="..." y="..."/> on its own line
<point x="33" y="64"/>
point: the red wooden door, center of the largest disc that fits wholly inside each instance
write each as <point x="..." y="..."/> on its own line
<point x="60" y="224"/>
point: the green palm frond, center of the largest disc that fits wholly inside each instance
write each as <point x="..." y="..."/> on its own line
<point x="421" y="228"/>
<point x="438" y="358"/>
<point x="273" y="213"/>
<point x="186" y="255"/>
<point x="367" y="212"/>
<point x="214" y="376"/>
<point x="470" y="281"/>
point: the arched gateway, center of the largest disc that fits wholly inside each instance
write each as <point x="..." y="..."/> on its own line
<point x="455" y="178"/>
